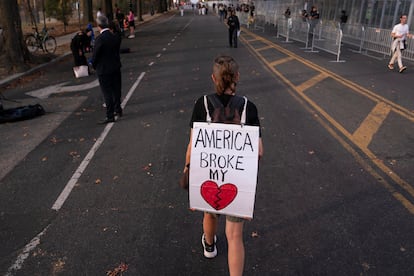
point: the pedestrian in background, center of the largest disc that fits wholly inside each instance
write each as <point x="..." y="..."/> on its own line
<point x="80" y="45"/>
<point x="287" y="13"/>
<point x="99" y="13"/>
<point x="119" y="15"/>
<point x="107" y="63"/>
<point x="225" y="77"/>
<point x="343" y="19"/>
<point x="313" y="21"/>
<point x="399" y="34"/>
<point x="234" y="27"/>
<point x="131" y="24"/>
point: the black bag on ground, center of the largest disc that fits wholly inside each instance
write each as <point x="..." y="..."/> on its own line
<point x="21" y="113"/>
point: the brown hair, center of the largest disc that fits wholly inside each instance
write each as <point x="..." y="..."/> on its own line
<point x="226" y="73"/>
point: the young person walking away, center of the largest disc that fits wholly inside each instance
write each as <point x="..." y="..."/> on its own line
<point x="225" y="77"/>
<point x="234" y="26"/>
<point x="399" y="34"/>
<point x="107" y="63"/>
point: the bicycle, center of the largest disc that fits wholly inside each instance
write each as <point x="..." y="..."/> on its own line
<point x="40" y="40"/>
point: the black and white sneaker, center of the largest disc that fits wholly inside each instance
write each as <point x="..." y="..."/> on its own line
<point x="210" y="251"/>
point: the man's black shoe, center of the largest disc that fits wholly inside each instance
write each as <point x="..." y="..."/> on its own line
<point x="119" y="113"/>
<point x="106" y="121"/>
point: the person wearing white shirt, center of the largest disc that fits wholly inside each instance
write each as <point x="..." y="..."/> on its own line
<point x="99" y="13"/>
<point x="399" y="34"/>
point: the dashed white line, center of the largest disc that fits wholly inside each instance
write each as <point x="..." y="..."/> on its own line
<point x="17" y="265"/>
<point x="78" y="173"/>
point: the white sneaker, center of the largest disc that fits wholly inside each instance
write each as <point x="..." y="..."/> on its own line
<point x="210" y="251"/>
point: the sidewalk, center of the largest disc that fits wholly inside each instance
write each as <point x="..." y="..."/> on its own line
<point x="63" y="40"/>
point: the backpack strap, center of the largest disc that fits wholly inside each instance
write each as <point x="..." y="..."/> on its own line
<point x="243" y="116"/>
<point x="208" y="117"/>
<point x="217" y="104"/>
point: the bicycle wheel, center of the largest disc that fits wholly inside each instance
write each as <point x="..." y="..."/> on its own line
<point x="31" y="43"/>
<point x="50" y="45"/>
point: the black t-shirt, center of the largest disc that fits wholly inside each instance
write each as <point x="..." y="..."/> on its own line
<point x="200" y="114"/>
<point x="233" y="22"/>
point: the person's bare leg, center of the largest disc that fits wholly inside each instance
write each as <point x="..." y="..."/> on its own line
<point x="210" y="227"/>
<point x="234" y="234"/>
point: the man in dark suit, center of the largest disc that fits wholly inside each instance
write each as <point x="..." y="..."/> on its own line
<point x="107" y="63"/>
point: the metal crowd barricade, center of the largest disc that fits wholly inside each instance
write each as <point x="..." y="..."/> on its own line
<point x="378" y="41"/>
<point x="243" y="18"/>
<point x="409" y="52"/>
<point x="300" y="31"/>
<point x="282" y="29"/>
<point x="354" y="35"/>
<point x="330" y="40"/>
<point x="259" y="22"/>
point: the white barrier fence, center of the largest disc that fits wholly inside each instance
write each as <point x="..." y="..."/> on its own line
<point x="329" y="36"/>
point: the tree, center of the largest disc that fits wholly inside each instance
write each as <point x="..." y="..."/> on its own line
<point x="13" y="52"/>
<point x="60" y="9"/>
<point x="87" y="11"/>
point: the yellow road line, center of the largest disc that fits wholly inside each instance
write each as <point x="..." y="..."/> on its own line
<point x="363" y="135"/>
<point x="281" y="61"/>
<point x="370" y="126"/>
<point x="264" y="48"/>
<point x="355" y="87"/>
<point x="311" y="82"/>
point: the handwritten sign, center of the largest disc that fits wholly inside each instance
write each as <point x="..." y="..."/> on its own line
<point x="223" y="168"/>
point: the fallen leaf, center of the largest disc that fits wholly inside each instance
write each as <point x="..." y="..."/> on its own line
<point x="98" y="181"/>
<point x="54" y="140"/>
<point x="44" y="159"/>
<point x="255" y="234"/>
<point x="122" y="267"/>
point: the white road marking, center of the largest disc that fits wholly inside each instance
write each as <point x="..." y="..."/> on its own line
<point x="78" y="173"/>
<point x="45" y="92"/>
<point x="17" y="265"/>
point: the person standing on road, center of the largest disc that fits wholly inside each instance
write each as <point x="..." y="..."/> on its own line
<point x="107" y="63"/>
<point x="234" y="27"/>
<point x="399" y="34"/>
<point x="225" y="77"/>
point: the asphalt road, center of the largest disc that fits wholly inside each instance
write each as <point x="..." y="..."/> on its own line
<point x="335" y="190"/>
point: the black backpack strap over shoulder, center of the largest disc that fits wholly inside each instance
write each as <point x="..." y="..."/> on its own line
<point x="234" y="112"/>
<point x="215" y="101"/>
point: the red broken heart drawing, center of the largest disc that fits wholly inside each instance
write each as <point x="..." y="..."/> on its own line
<point x="218" y="197"/>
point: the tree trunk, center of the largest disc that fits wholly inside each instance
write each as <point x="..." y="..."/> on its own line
<point x="87" y="11"/>
<point x="108" y="9"/>
<point x="14" y="53"/>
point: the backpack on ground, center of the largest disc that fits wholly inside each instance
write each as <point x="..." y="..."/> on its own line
<point x="21" y="113"/>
